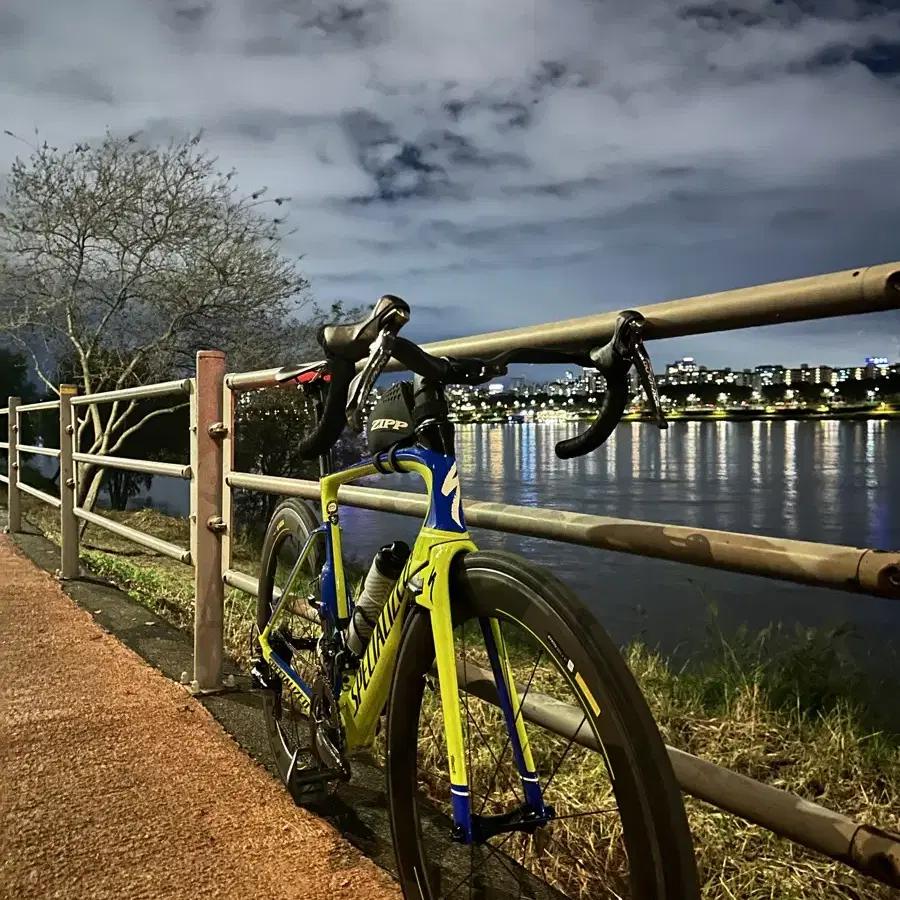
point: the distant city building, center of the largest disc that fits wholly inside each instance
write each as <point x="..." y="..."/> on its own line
<point x="877" y="367"/>
<point x="844" y="374"/>
<point x="496" y="387"/>
<point x="802" y="375"/>
<point x="634" y="383"/>
<point x="592" y="380"/>
<point x="807" y="374"/>
<point x="684" y="371"/>
<point x="763" y="376"/>
<point x="726" y="377"/>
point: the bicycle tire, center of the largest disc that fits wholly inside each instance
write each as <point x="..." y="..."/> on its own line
<point x="500" y="585"/>
<point x="293" y="521"/>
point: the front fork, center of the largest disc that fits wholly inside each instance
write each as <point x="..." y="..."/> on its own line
<point x="468" y="826"/>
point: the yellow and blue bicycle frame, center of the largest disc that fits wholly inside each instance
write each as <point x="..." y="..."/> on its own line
<point x="426" y="581"/>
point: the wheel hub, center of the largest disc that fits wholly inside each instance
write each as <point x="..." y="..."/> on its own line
<point x="524" y="819"/>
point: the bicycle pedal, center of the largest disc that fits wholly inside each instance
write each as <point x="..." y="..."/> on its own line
<point x="305" y="778"/>
<point x="259" y="677"/>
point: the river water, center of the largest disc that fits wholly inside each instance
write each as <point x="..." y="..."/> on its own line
<point x="831" y="481"/>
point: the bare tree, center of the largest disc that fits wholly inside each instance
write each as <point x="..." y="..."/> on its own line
<point x="131" y="257"/>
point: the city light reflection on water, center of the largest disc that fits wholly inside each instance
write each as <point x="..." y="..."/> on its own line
<point x="789" y="493"/>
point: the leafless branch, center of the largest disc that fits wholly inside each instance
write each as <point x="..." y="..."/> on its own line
<point x="140" y="424"/>
<point x="119" y="260"/>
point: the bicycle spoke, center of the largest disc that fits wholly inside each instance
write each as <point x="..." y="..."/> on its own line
<point x="477" y="868"/>
<point x="485" y="741"/>
<point x="530" y="843"/>
<point x="440" y="773"/>
<point x="593" y="812"/>
<point x="564" y="755"/>
<point x="524" y="857"/>
<point x="505" y="862"/>
<point x="543" y="874"/>
<point x="490" y="749"/>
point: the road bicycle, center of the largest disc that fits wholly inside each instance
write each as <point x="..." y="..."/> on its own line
<point x="521" y="758"/>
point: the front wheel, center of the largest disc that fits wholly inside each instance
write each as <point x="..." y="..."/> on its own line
<point x="618" y="826"/>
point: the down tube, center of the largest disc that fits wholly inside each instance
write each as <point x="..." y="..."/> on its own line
<point x="363" y="702"/>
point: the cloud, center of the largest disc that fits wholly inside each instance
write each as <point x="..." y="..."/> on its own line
<point x="514" y="161"/>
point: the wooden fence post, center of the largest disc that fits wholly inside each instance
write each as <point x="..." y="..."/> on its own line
<point x="14" y="494"/>
<point x="68" y="524"/>
<point x="206" y="520"/>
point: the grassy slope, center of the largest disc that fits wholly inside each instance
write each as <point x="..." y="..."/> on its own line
<point x="785" y="709"/>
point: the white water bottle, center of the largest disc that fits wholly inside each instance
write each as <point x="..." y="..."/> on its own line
<point x="380" y="580"/>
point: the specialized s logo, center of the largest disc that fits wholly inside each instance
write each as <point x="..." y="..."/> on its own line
<point x="451" y="486"/>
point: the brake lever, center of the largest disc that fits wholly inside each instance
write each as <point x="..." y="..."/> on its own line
<point x="630" y="347"/>
<point x="379" y="356"/>
<point x="644" y="367"/>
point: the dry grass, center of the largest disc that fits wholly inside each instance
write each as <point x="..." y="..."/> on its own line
<point x="786" y="709"/>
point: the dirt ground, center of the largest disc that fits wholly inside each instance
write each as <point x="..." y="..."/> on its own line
<point x="114" y="783"/>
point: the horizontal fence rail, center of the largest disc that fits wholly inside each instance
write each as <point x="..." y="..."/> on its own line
<point x="825" y="565"/>
<point x="132" y="534"/>
<point x="49" y="499"/>
<point x="36" y="407"/>
<point x="872" y="289"/>
<point x="40" y="451"/>
<point x="151" y="467"/>
<point x="180" y="386"/>
<point x="70" y="512"/>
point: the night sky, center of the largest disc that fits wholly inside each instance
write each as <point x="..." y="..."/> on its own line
<point x="506" y="162"/>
